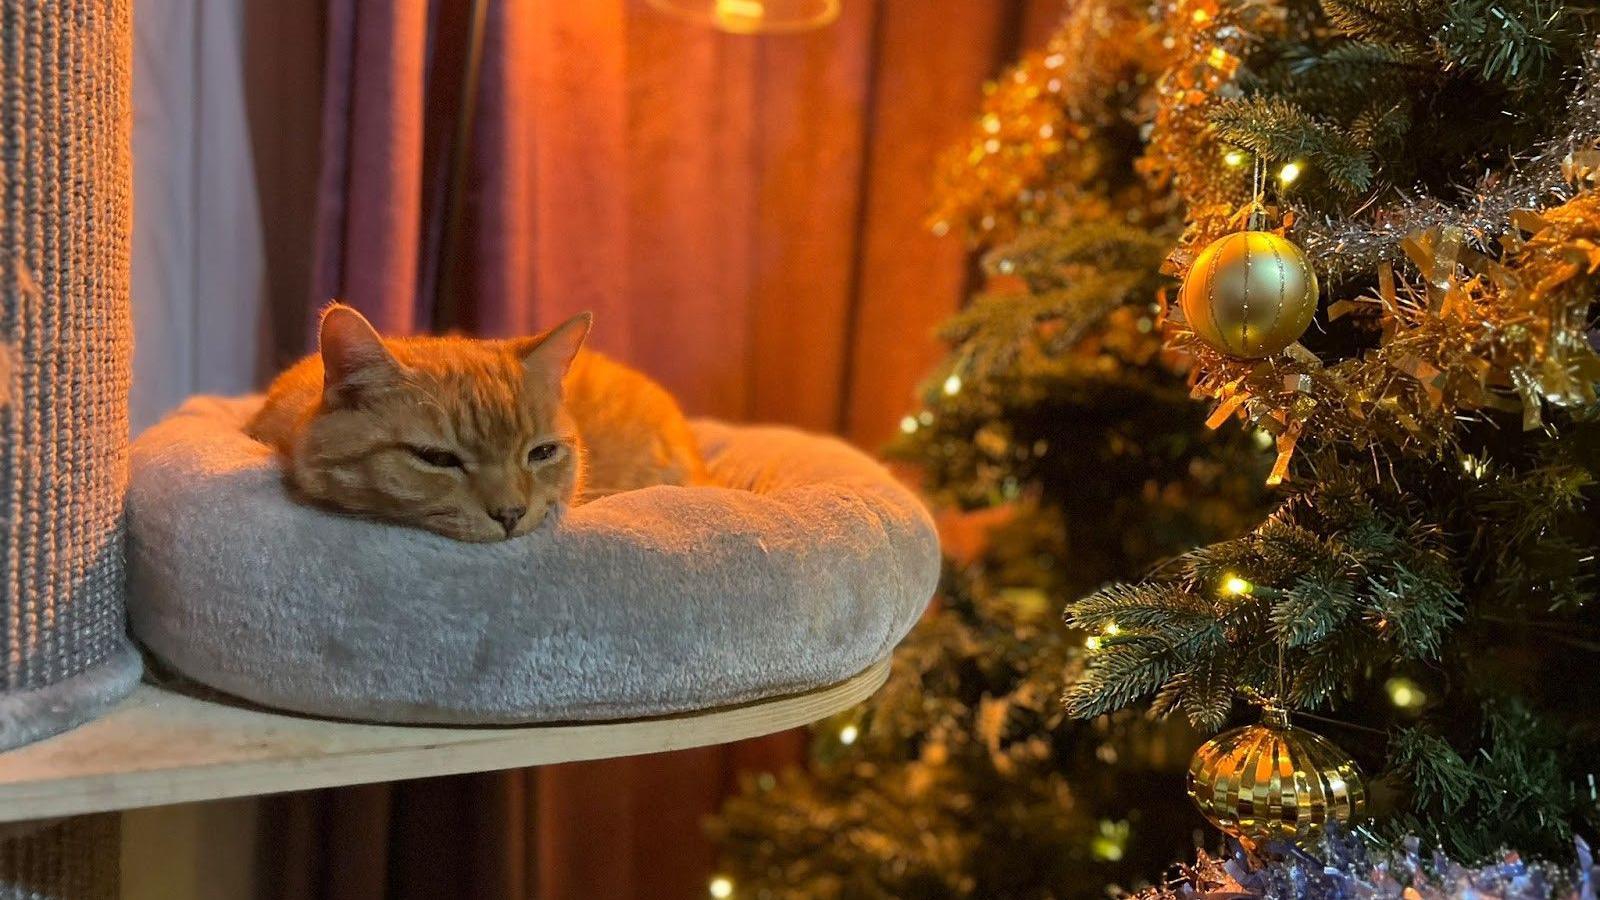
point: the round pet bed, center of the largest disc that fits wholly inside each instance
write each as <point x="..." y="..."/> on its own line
<point x="805" y="564"/>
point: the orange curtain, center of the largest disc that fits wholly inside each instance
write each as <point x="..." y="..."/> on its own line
<point x="746" y="217"/>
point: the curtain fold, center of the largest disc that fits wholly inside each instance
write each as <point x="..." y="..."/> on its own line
<point x="744" y="216"/>
<point x="370" y="194"/>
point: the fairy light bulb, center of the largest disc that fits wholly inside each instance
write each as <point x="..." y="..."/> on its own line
<point x="1405" y="693"/>
<point x="1289" y="173"/>
<point x="721" y="887"/>
<point x="754" y="16"/>
<point x="1110" y="841"/>
<point x="952" y="385"/>
<point x="909" y="425"/>
<point x="1233" y="158"/>
<point x="1234" y="586"/>
<point x="848" y="735"/>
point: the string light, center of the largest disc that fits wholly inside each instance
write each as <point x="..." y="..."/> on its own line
<point x="1234" y="586"/>
<point x="909" y="424"/>
<point x="848" y="735"/>
<point x="952" y="385"/>
<point x="1234" y="158"/>
<point x="1110" y="841"/>
<point x="1112" y="630"/>
<point x="1092" y="642"/>
<point x="720" y="887"/>
<point x="1405" y="693"/>
<point x="1289" y="173"/>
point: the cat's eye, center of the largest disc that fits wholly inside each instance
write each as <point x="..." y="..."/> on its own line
<point x="544" y="451"/>
<point x="433" y="456"/>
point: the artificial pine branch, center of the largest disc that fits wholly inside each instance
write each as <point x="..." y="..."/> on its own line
<point x="1280" y="130"/>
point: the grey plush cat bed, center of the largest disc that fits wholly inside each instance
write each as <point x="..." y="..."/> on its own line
<point x="803" y="567"/>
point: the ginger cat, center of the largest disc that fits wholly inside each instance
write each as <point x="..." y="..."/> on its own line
<point x="476" y="440"/>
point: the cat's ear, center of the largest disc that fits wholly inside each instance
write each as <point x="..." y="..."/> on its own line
<point x="353" y="356"/>
<point x="546" y="357"/>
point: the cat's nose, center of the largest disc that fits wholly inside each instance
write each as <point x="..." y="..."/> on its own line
<point x="508" y="516"/>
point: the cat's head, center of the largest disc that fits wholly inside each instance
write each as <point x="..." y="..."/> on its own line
<point x="463" y="437"/>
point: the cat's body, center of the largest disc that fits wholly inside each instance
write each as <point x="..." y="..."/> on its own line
<point x="477" y="440"/>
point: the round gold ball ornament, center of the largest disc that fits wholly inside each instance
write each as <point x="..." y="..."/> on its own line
<point x="1275" y="781"/>
<point x="1250" y="294"/>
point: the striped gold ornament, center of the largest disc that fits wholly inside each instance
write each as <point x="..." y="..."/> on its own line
<point x="1274" y="780"/>
<point x="1250" y="294"/>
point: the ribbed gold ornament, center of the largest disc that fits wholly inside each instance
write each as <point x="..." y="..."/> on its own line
<point x="1274" y="780"/>
<point x="1250" y="294"/>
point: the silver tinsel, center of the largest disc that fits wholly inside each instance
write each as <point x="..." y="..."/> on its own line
<point x="1541" y="178"/>
<point x="1344" y="866"/>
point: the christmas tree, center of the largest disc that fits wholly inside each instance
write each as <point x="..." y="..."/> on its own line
<point x="1395" y="510"/>
<point x="1068" y="438"/>
<point x="1427" y="583"/>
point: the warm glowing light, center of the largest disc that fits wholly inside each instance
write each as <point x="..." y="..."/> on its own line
<point x="1474" y="467"/>
<point x="1110" y="842"/>
<point x="909" y="424"/>
<point x="1112" y="630"/>
<point x="1289" y="172"/>
<point x="848" y="735"/>
<point x="1234" y="586"/>
<point x="1200" y="17"/>
<point x="754" y="16"/>
<point x="1092" y="642"/>
<point x="952" y="385"/>
<point x="1219" y="58"/>
<point x="1405" y="693"/>
<point x="1234" y="158"/>
<point x="721" y="887"/>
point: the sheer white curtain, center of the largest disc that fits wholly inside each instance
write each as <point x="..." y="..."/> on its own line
<point x="198" y="253"/>
<point x="199" y="294"/>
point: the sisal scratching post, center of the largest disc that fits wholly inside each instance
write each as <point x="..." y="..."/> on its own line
<point x="65" y="352"/>
<point x="70" y="859"/>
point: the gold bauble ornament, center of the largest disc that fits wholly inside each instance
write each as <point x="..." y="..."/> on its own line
<point x="1250" y="294"/>
<point x="1274" y="780"/>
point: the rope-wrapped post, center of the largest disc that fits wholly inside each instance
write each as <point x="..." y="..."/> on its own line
<point x="65" y="356"/>
<point x="70" y="859"/>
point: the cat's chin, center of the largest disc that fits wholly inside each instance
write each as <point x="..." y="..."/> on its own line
<point x="491" y="534"/>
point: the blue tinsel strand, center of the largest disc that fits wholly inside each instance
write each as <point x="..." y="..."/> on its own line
<point x="1346" y="868"/>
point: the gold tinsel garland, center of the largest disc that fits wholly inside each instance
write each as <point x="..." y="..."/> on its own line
<point x="1037" y="141"/>
<point x="1476" y="335"/>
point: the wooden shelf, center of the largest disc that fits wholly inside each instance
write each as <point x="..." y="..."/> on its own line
<point x="161" y="747"/>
